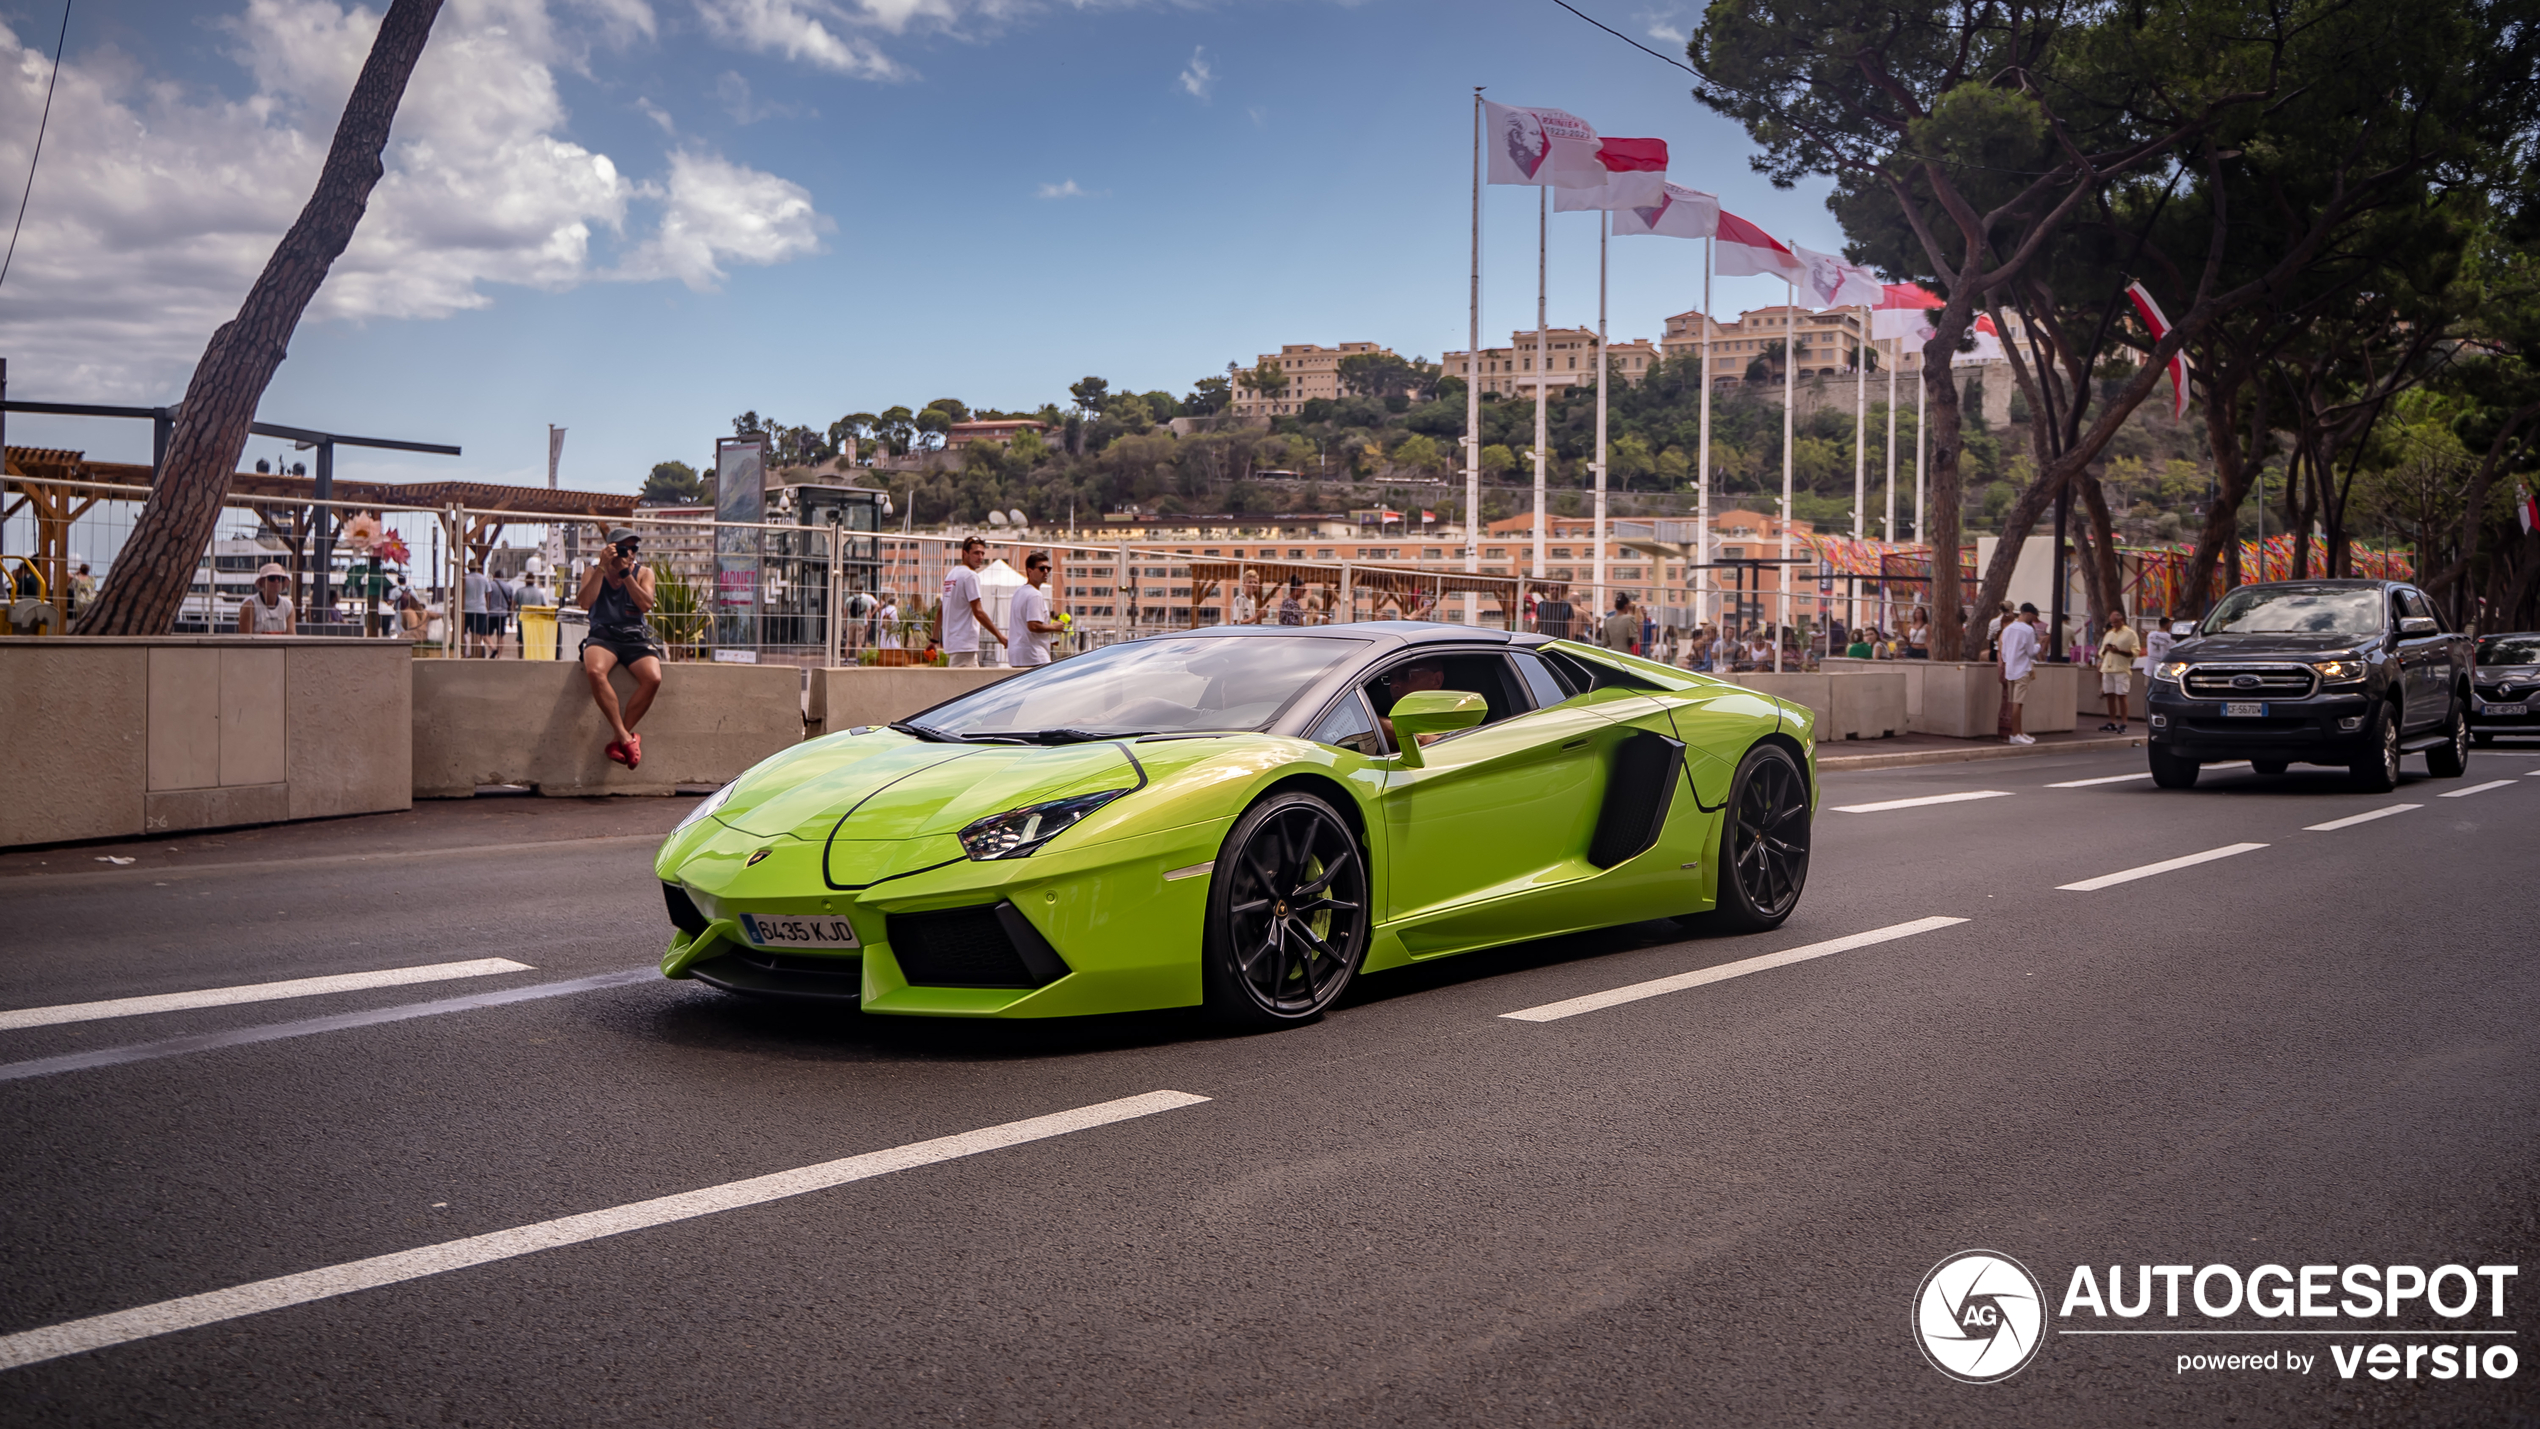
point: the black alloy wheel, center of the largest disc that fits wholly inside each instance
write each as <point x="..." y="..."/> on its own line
<point x="2378" y="772"/>
<point x="2450" y="759"/>
<point x="1287" y="914"/>
<point x="2170" y="771"/>
<point x="1763" y="842"/>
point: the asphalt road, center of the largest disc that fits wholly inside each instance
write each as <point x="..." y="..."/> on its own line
<point x="1712" y="1205"/>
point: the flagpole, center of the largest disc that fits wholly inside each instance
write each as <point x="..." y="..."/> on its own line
<point x="1604" y="225"/>
<point x="1887" y="521"/>
<point x="1790" y="404"/>
<point x="1473" y="394"/>
<point x="1702" y="481"/>
<point x="1543" y="367"/>
<point x="1860" y="451"/>
<point x="1922" y="444"/>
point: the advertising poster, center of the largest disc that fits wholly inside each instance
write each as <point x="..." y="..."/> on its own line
<point x="740" y="503"/>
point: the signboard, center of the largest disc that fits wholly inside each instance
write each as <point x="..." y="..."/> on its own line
<point x="740" y="503"/>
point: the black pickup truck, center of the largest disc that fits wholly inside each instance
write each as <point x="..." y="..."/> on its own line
<point x="2351" y="672"/>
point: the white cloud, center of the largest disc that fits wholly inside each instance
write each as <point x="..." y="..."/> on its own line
<point x="734" y="93"/>
<point x="156" y="206"/>
<point x="1065" y="190"/>
<point x="1197" y="77"/>
<point x="798" y="33"/>
<point x="1664" y="28"/>
<point x="658" y="115"/>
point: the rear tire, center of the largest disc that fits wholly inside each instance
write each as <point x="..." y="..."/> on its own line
<point x="2450" y="759"/>
<point x="2170" y="771"/>
<point x="1288" y="914"/>
<point x="1764" y="842"/>
<point x="2378" y="772"/>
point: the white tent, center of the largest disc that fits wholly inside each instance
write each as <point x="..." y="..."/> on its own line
<point x="997" y="584"/>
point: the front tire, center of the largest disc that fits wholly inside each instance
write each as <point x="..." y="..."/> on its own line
<point x="2378" y="772"/>
<point x="2170" y="771"/>
<point x="2450" y="759"/>
<point x="1288" y="914"/>
<point x="1764" y="842"/>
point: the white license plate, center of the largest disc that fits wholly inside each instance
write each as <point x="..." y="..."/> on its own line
<point x="2244" y="711"/>
<point x="2497" y="709"/>
<point x="791" y="931"/>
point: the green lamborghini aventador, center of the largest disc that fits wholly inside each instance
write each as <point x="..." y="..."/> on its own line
<point x="1243" y="818"/>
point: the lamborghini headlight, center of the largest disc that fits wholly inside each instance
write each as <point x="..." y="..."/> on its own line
<point x="2171" y="670"/>
<point x="1017" y="832"/>
<point x="2340" y="672"/>
<point x="707" y="805"/>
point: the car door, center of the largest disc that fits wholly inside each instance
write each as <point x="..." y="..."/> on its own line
<point x="2424" y="662"/>
<point x="1492" y="813"/>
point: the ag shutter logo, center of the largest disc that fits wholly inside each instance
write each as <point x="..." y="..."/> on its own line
<point x="1979" y="1316"/>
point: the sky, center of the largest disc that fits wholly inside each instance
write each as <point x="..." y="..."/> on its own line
<point x="636" y="219"/>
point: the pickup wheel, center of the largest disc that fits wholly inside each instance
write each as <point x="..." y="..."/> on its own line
<point x="2450" y="759"/>
<point x="2171" y="772"/>
<point x="2378" y="772"/>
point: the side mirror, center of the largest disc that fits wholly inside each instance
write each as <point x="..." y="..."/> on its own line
<point x="1433" y="712"/>
<point x="2183" y="628"/>
<point x="2417" y="625"/>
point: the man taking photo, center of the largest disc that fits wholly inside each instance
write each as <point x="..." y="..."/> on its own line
<point x="618" y="591"/>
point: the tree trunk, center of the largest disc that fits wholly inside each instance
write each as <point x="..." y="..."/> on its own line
<point x="2107" y="581"/>
<point x="149" y="579"/>
<point x="1943" y="501"/>
<point x="2232" y="472"/>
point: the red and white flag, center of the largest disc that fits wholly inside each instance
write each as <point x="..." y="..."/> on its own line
<point x="1680" y="212"/>
<point x="1827" y="281"/>
<point x="1746" y="251"/>
<point x="1904" y="310"/>
<point x="1544" y="147"/>
<point x="2527" y="510"/>
<point x="1988" y="343"/>
<point x="1635" y="175"/>
<point x="2150" y="311"/>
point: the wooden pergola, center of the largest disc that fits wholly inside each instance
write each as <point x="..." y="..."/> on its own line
<point x="1412" y="588"/>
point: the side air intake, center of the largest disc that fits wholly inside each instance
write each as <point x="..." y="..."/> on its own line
<point x="1638" y="791"/>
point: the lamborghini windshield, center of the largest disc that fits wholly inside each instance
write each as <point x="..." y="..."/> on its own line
<point x="1164" y="685"/>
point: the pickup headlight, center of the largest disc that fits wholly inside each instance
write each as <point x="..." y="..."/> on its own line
<point x="2341" y="672"/>
<point x="707" y="805"/>
<point x="2171" y="670"/>
<point x="1017" y="832"/>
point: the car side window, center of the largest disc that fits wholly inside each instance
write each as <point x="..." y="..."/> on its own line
<point x="1350" y="726"/>
<point x="1540" y="680"/>
<point x="1487" y="675"/>
<point x="2414" y="603"/>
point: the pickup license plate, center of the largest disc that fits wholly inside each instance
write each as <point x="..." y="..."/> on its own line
<point x="2497" y="709"/>
<point x="823" y="931"/>
<point x="2243" y="710"/>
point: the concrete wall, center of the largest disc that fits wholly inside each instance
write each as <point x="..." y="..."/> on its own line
<point x="847" y="696"/>
<point x="532" y="722"/>
<point x="110" y="737"/>
<point x="1848" y="704"/>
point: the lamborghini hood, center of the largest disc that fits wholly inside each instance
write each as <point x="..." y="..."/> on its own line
<point x="909" y="790"/>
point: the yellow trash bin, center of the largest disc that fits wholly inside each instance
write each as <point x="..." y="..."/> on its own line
<point x="538" y="632"/>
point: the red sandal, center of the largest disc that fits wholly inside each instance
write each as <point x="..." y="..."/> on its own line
<point x="634" y="750"/>
<point x="617" y="754"/>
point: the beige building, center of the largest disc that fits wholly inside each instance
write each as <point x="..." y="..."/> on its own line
<point x="1823" y="341"/>
<point x="1569" y="361"/>
<point x="1002" y="432"/>
<point x="1311" y="372"/>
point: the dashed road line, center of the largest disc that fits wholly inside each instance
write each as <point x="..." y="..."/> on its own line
<point x="2477" y="789"/>
<point x="1634" y="992"/>
<point x="2103" y="779"/>
<point x="2106" y="880"/>
<point x="2365" y="817"/>
<point x="1927" y="799"/>
<point x="212" y="1307"/>
<point x="277" y="1031"/>
<point x="13" y="1019"/>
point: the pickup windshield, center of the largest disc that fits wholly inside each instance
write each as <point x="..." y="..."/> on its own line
<point x="2297" y="610"/>
<point x="1160" y="685"/>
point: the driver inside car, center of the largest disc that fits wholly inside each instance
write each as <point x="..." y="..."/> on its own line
<point x="1407" y="680"/>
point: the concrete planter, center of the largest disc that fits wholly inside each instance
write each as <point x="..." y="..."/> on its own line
<point x="2052" y="696"/>
<point x="1848" y="704"/>
<point x="1958" y="698"/>
<point x="112" y="737"/>
<point x="2091" y="707"/>
<point x="532" y="722"/>
<point x="843" y="697"/>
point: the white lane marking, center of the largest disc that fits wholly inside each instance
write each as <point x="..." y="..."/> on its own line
<point x="1190" y="871"/>
<point x="168" y="1316"/>
<point x="2478" y="789"/>
<point x="1614" y="997"/>
<point x="1958" y="798"/>
<point x="2366" y="817"/>
<point x="2105" y="880"/>
<point x="2103" y="779"/>
<point x="17" y="1017"/>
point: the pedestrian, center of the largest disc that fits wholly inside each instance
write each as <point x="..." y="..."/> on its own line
<point x="886" y="624"/>
<point x="618" y="591"/>
<point x="410" y="611"/>
<point x="1292" y="605"/>
<point x="266" y="610"/>
<point x="2019" y="666"/>
<point x="2117" y="651"/>
<point x="2156" y="644"/>
<point x="1918" y="636"/>
<point x="476" y="603"/>
<point x="964" y="615"/>
<point x="1245" y="608"/>
<point x="1859" y="649"/>
<point x="1993" y="631"/>
<point x="1028" y="609"/>
<point x="83" y="590"/>
<point x="1622" y="629"/>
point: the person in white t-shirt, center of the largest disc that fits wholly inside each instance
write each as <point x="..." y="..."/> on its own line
<point x="1245" y="608"/>
<point x="964" y="615"/>
<point x="886" y="624"/>
<point x="2019" y="666"/>
<point x="1028" y="609"/>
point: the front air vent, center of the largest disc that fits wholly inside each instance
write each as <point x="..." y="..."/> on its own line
<point x="987" y="945"/>
<point x="683" y="910"/>
<point x="1638" y="790"/>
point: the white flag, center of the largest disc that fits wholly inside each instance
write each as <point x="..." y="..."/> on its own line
<point x="1540" y="146"/>
<point x="1746" y="251"/>
<point x="1905" y="311"/>
<point x="1635" y="176"/>
<point x="1829" y="282"/>
<point x="1679" y="213"/>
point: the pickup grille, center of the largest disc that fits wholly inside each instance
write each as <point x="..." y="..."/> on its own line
<point x="2251" y="682"/>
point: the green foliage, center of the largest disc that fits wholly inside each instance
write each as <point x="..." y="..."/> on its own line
<point x="679" y="612"/>
<point x="672" y="483"/>
<point x="1090" y="394"/>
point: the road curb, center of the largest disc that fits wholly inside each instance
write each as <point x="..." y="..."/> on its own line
<point x="1843" y="763"/>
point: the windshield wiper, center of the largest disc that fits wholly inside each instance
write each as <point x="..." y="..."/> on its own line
<point x="1072" y="735"/>
<point x="927" y="732"/>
